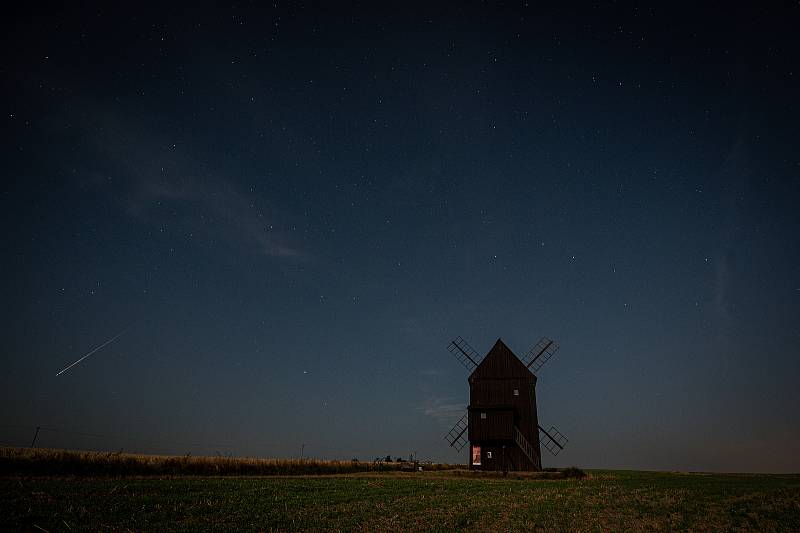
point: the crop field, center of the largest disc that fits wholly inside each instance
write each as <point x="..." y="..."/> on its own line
<point x="49" y="462"/>
<point x="389" y="501"/>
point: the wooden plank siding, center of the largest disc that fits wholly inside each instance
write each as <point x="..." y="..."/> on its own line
<point x="492" y="423"/>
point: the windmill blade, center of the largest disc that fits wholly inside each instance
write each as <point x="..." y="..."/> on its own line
<point x="457" y="436"/>
<point x="462" y="351"/>
<point x="552" y="439"/>
<point x="540" y="354"/>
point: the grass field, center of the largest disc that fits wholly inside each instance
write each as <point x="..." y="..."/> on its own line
<point x="402" y="501"/>
<point x="397" y="501"/>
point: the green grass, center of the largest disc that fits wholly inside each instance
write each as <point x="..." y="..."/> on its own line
<point x="604" y="500"/>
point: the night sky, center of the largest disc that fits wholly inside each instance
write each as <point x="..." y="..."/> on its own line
<point x="288" y="212"/>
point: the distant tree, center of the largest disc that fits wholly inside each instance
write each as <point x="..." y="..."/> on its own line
<point x="388" y="459"/>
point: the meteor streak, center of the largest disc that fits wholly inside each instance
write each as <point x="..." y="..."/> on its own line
<point x="109" y="341"/>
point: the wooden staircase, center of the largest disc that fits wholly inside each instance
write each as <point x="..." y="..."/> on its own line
<point x="527" y="449"/>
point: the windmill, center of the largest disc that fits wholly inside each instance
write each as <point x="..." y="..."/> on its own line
<point x="501" y="424"/>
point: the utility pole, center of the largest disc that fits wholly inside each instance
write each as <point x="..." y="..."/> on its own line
<point x="302" y="450"/>
<point x="34" y="436"/>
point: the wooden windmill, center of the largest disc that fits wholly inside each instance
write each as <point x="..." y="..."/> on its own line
<point x="501" y="424"/>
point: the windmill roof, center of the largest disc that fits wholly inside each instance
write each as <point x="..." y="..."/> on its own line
<point x="501" y="362"/>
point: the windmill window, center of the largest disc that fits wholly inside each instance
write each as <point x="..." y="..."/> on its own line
<point x="516" y="392"/>
<point x="483" y="416"/>
<point x="488" y="455"/>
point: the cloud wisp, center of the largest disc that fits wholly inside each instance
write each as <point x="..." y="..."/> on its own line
<point x="443" y="409"/>
<point x="215" y="208"/>
<point x="163" y="182"/>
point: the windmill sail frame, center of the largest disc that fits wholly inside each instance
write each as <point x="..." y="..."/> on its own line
<point x="457" y="435"/>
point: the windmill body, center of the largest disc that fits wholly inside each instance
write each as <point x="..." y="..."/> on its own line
<point x="502" y="408"/>
<point x="501" y="425"/>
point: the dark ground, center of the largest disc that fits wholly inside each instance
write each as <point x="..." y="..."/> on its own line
<point x="605" y="500"/>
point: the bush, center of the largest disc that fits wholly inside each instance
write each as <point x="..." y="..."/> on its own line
<point x="573" y="472"/>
